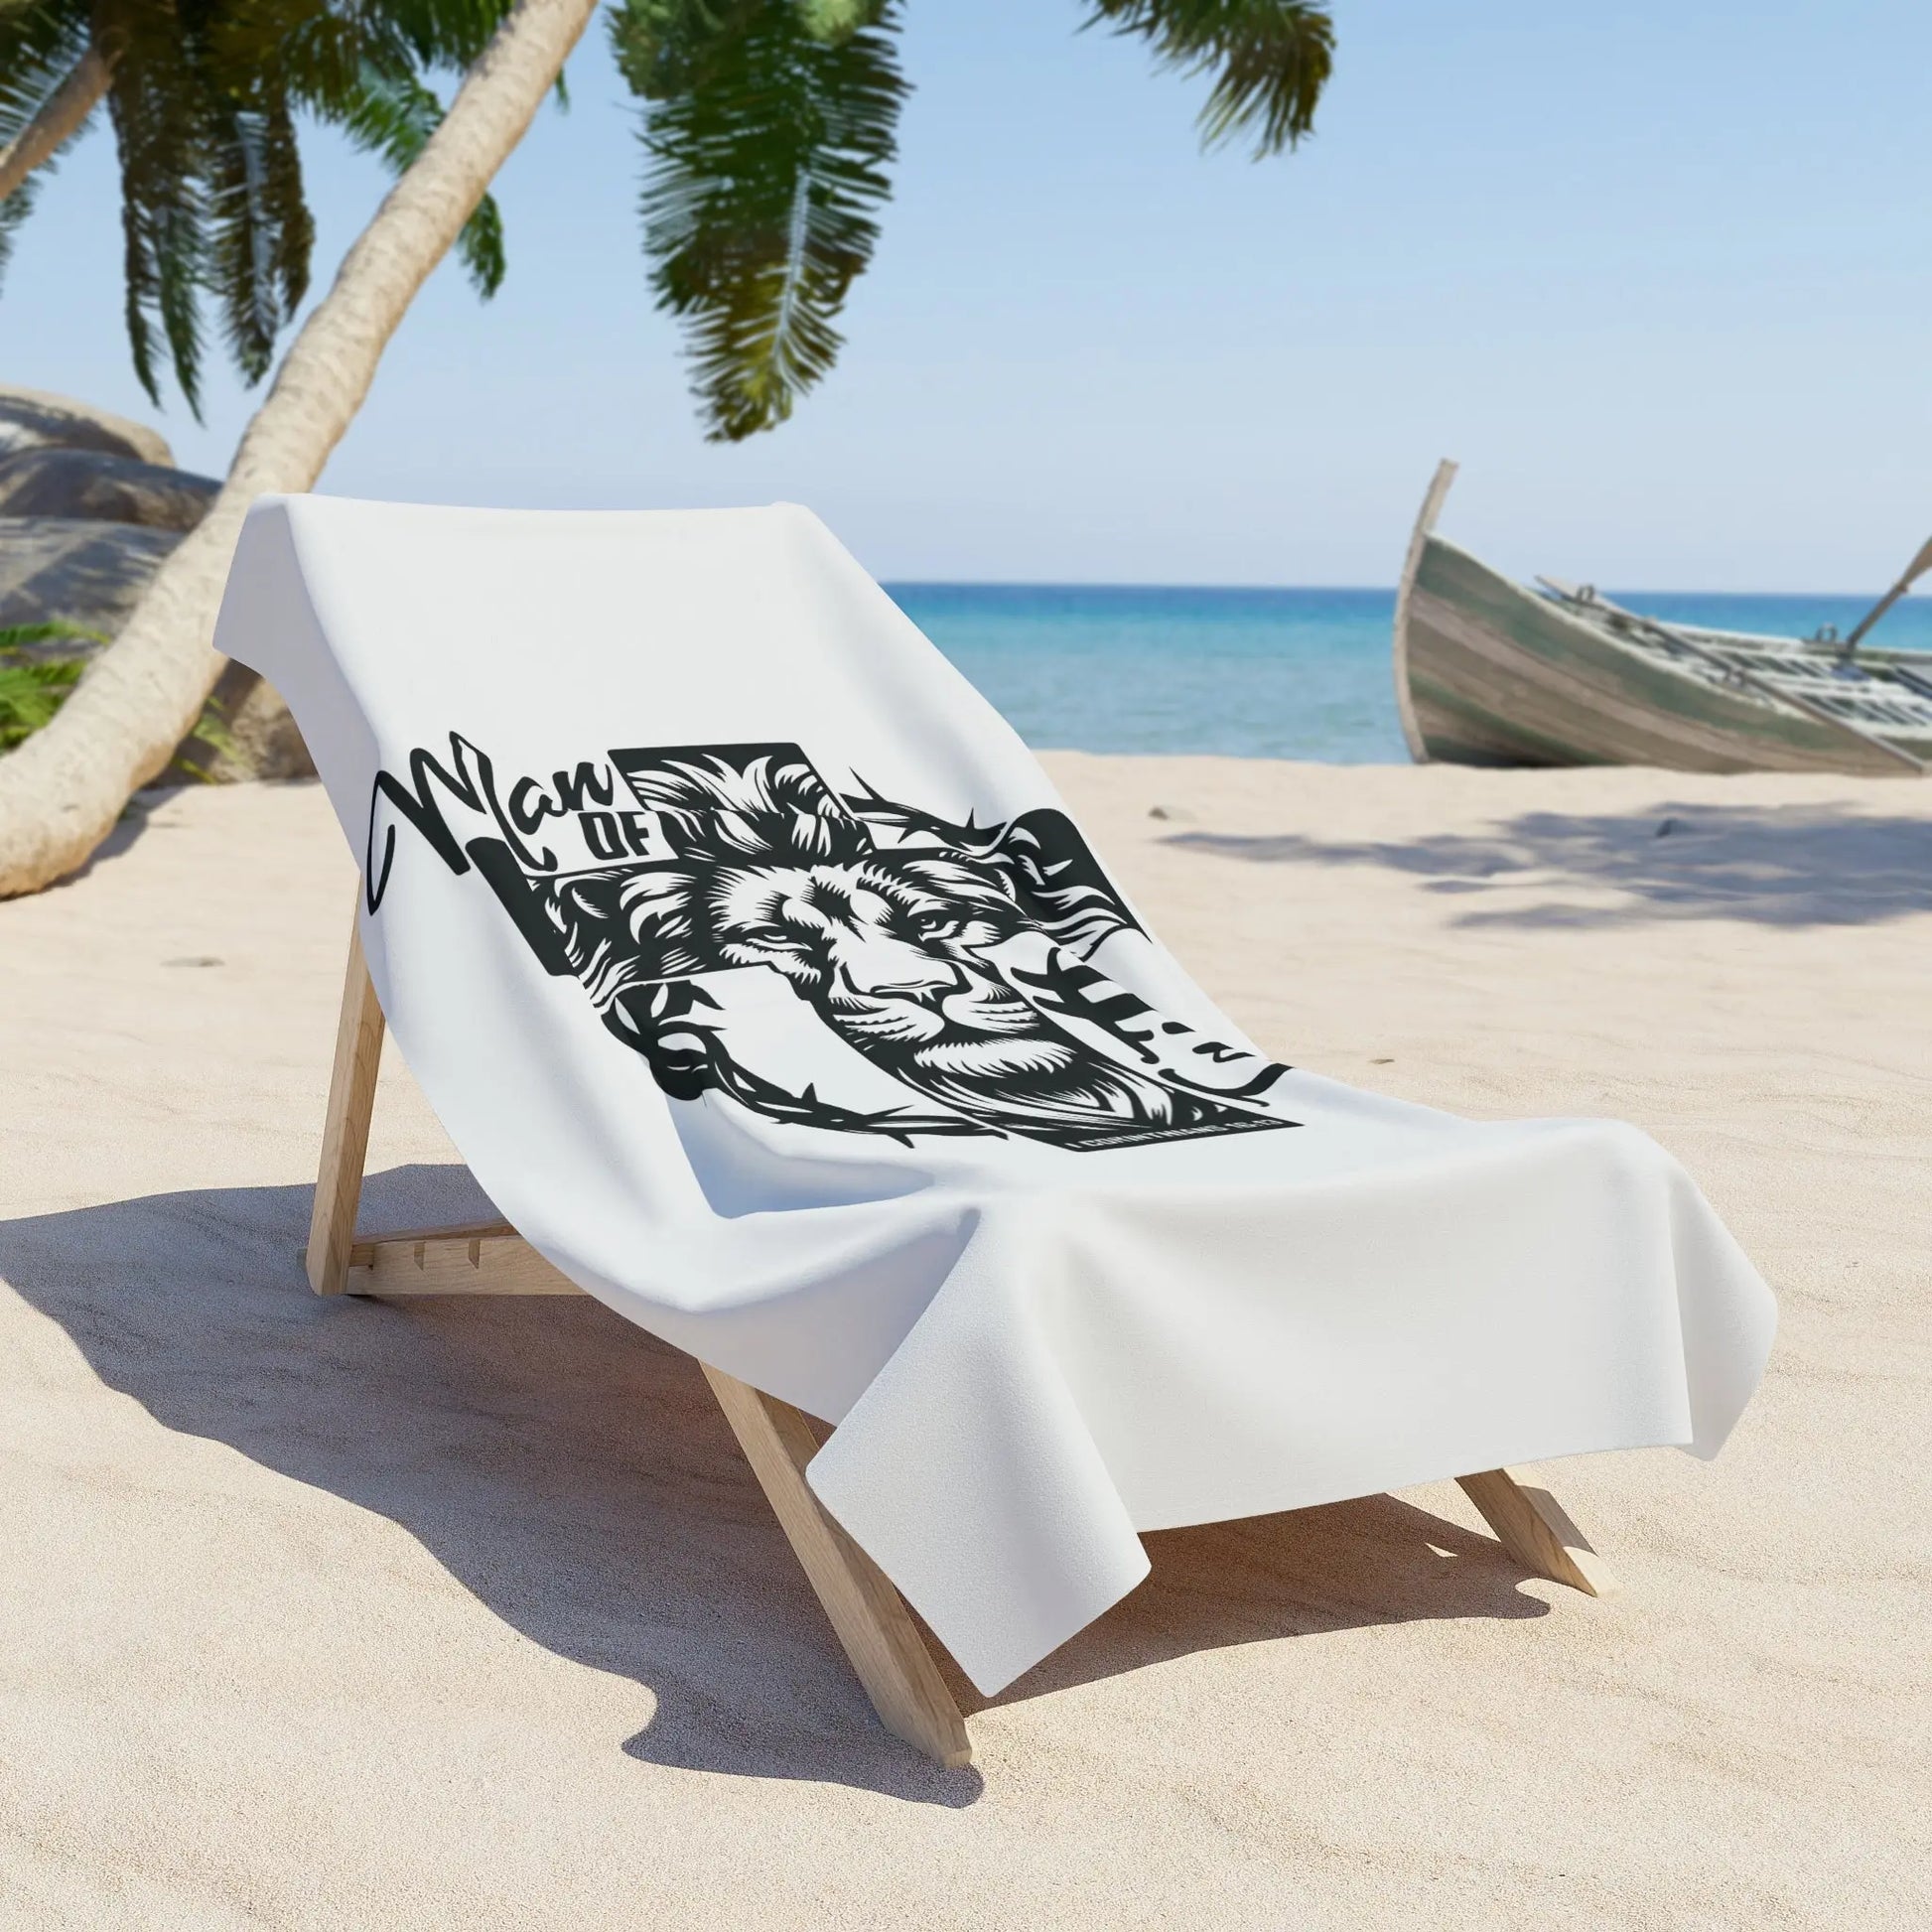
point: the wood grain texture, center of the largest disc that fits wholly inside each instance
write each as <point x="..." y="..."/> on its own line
<point x="346" y="1134"/>
<point x="1432" y="508"/>
<point x="487" y="1258"/>
<point x="1496" y="676"/>
<point x="1537" y="1531"/>
<point x="874" y="1625"/>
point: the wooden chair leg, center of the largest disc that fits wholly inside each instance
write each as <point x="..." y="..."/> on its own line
<point x="1537" y="1531"/>
<point x="346" y="1137"/>
<point x="871" y="1623"/>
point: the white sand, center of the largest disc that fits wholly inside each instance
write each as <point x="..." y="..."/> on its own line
<point x="354" y="1616"/>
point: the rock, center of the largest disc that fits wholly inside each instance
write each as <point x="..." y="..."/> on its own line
<point x="80" y="569"/>
<point x="91" y="572"/>
<point x="261" y="739"/>
<point x="30" y="419"/>
<point x="108" y="488"/>
<point x="89" y="505"/>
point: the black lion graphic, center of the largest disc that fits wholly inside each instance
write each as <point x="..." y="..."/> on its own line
<point x="952" y="957"/>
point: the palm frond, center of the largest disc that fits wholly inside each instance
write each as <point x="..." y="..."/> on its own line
<point x="157" y="107"/>
<point x="261" y="232"/>
<point x="359" y="67"/>
<point x="391" y="113"/>
<point x="1270" y="59"/>
<point x="13" y="212"/>
<point x="446" y="33"/>
<point x="769" y="126"/>
<point x="29" y="695"/>
<point x="323" y="53"/>
<point x="16" y="637"/>
<point x="35" y="685"/>
<point x="40" y="46"/>
<point x="205" y="100"/>
<point x="34" y="688"/>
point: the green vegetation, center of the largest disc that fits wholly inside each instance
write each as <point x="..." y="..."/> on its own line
<point x="769" y="129"/>
<point x="33" y="687"/>
<point x="203" y="100"/>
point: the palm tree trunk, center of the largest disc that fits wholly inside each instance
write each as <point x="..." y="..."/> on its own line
<point x="59" y="119"/>
<point x="61" y="790"/>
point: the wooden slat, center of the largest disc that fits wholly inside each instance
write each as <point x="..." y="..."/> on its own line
<point x="1773" y="692"/>
<point x="346" y="1136"/>
<point x="874" y="1625"/>
<point x="1432" y="508"/>
<point x="363" y="1250"/>
<point x="486" y="1257"/>
<point x="1500" y="675"/>
<point x="1537" y="1531"/>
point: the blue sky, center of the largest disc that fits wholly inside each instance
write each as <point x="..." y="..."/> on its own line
<point x="1659" y="275"/>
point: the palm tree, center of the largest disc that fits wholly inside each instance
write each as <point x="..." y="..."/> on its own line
<point x="768" y="127"/>
<point x="203" y="101"/>
<point x="52" y="78"/>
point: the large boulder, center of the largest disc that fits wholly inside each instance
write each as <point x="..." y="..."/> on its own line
<point x="30" y="419"/>
<point x="89" y="505"/>
<point x="78" y="569"/>
<point x="109" y="489"/>
<point x="254" y="736"/>
<point x="92" y="573"/>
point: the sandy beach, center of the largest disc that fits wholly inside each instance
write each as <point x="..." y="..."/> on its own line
<point x="347" y="1614"/>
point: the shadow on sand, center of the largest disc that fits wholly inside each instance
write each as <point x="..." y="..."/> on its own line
<point x="575" y="1474"/>
<point x="1770" y="865"/>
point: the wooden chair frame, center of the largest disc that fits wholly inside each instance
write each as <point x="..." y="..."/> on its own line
<point x="871" y="1622"/>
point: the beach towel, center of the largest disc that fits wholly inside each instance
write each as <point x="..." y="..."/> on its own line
<point x="771" y="993"/>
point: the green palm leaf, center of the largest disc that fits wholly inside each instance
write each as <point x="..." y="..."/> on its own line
<point x="1271" y="60"/>
<point x="13" y="212"/>
<point x="769" y="126"/>
<point x="261" y="232"/>
<point x="34" y="687"/>
<point x="393" y="114"/>
<point x="156" y="103"/>
<point x="203" y="100"/>
<point x="40" y="45"/>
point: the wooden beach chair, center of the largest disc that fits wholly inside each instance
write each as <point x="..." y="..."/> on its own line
<point x="879" y="1637"/>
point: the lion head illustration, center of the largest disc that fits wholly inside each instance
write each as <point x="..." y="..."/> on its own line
<point x="887" y="944"/>
<point x="890" y="925"/>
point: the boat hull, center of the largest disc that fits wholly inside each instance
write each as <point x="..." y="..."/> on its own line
<point x="1492" y="674"/>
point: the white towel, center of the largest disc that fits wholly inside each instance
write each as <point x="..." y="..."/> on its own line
<point x="767" y="988"/>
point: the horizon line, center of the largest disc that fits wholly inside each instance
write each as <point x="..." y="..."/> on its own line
<point x="1366" y="589"/>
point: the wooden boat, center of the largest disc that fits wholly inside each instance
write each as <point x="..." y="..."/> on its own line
<point x="1488" y="671"/>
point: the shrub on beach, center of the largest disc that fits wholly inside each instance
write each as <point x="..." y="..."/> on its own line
<point x="33" y="687"/>
<point x="35" y="681"/>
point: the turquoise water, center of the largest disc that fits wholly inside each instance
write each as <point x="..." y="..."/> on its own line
<point x="1248" y="673"/>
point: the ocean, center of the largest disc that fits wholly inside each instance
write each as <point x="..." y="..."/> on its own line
<point x="1249" y="673"/>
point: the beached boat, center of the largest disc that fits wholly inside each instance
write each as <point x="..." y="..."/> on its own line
<point x="1489" y="671"/>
